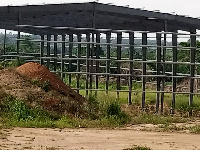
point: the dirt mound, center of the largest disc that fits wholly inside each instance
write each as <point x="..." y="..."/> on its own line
<point x="34" y="70"/>
<point x="13" y="83"/>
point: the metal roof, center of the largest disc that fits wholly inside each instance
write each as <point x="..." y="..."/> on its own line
<point x="91" y="15"/>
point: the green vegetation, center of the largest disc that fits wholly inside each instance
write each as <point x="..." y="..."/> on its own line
<point x="45" y="86"/>
<point x="103" y="110"/>
<point x="156" y="119"/>
<point x="11" y="64"/>
<point x="173" y="127"/>
<point x="102" y="113"/>
<point x="138" y="148"/>
<point x="108" y="109"/>
<point x="15" y="112"/>
<point x="195" y="129"/>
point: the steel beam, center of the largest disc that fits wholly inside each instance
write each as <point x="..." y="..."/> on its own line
<point x="4" y="43"/>
<point x="78" y="61"/>
<point x="119" y="55"/>
<point x="70" y="56"/>
<point x="48" y="49"/>
<point x="97" y="60"/>
<point x="55" y="52"/>
<point x="131" y="53"/>
<point x="158" y="39"/>
<point x="87" y="63"/>
<point x="144" y="57"/>
<point x="42" y="50"/>
<point x="63" y="50"/>
<point x="192" y="68"/>
<point x="163" y="66"/>
<point x="108" y="40"/>
<point x="174" y="70"/>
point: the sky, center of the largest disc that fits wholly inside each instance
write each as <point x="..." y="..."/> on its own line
<point x="180" y="7"/>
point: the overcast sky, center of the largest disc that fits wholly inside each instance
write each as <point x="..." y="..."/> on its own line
<point x="180" y="7"/>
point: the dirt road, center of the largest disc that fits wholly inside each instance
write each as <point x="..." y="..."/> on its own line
<point x="93" y="139"/>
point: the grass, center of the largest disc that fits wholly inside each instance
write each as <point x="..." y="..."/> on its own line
<point x="181" y="105"/>
<point x="45" y="86"/>
<point x="16" y="113"/>
<point x="182" y="101"/>
<point x="102" y="113"/>
<point x="11" y="64"/>
<point x="138" y="148"/>
<point x="195" y="129"/>
<point x="173" y="127"/>
<point x="156" y="119"/>
<point x="104" y="110"/>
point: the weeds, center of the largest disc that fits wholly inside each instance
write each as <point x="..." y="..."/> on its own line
<point x="138" y="148"/>
<point x="103" y="111"/>
<point x="195" y="129"/>
<point x="107" y="109"/>
<point x="12" y="64"/>
<point x="45" y="85"/>
<point x="156" y="119"/>
<point x="15" y="112"/>
<point x="173" y="127"/>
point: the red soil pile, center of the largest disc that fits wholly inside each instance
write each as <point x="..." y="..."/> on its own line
<point x="34" y="70"/>
<point x="14" y="84"/>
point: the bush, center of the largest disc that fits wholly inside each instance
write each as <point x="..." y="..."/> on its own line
<point x="113" y="109"/>
<point x="107" y="109"/>
<point x="93" y="107"/>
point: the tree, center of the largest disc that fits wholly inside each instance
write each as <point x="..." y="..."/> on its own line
<point x="27" y="46"/>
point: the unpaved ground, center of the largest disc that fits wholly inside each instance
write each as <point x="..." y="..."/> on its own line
<point x="95" y="139"/>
